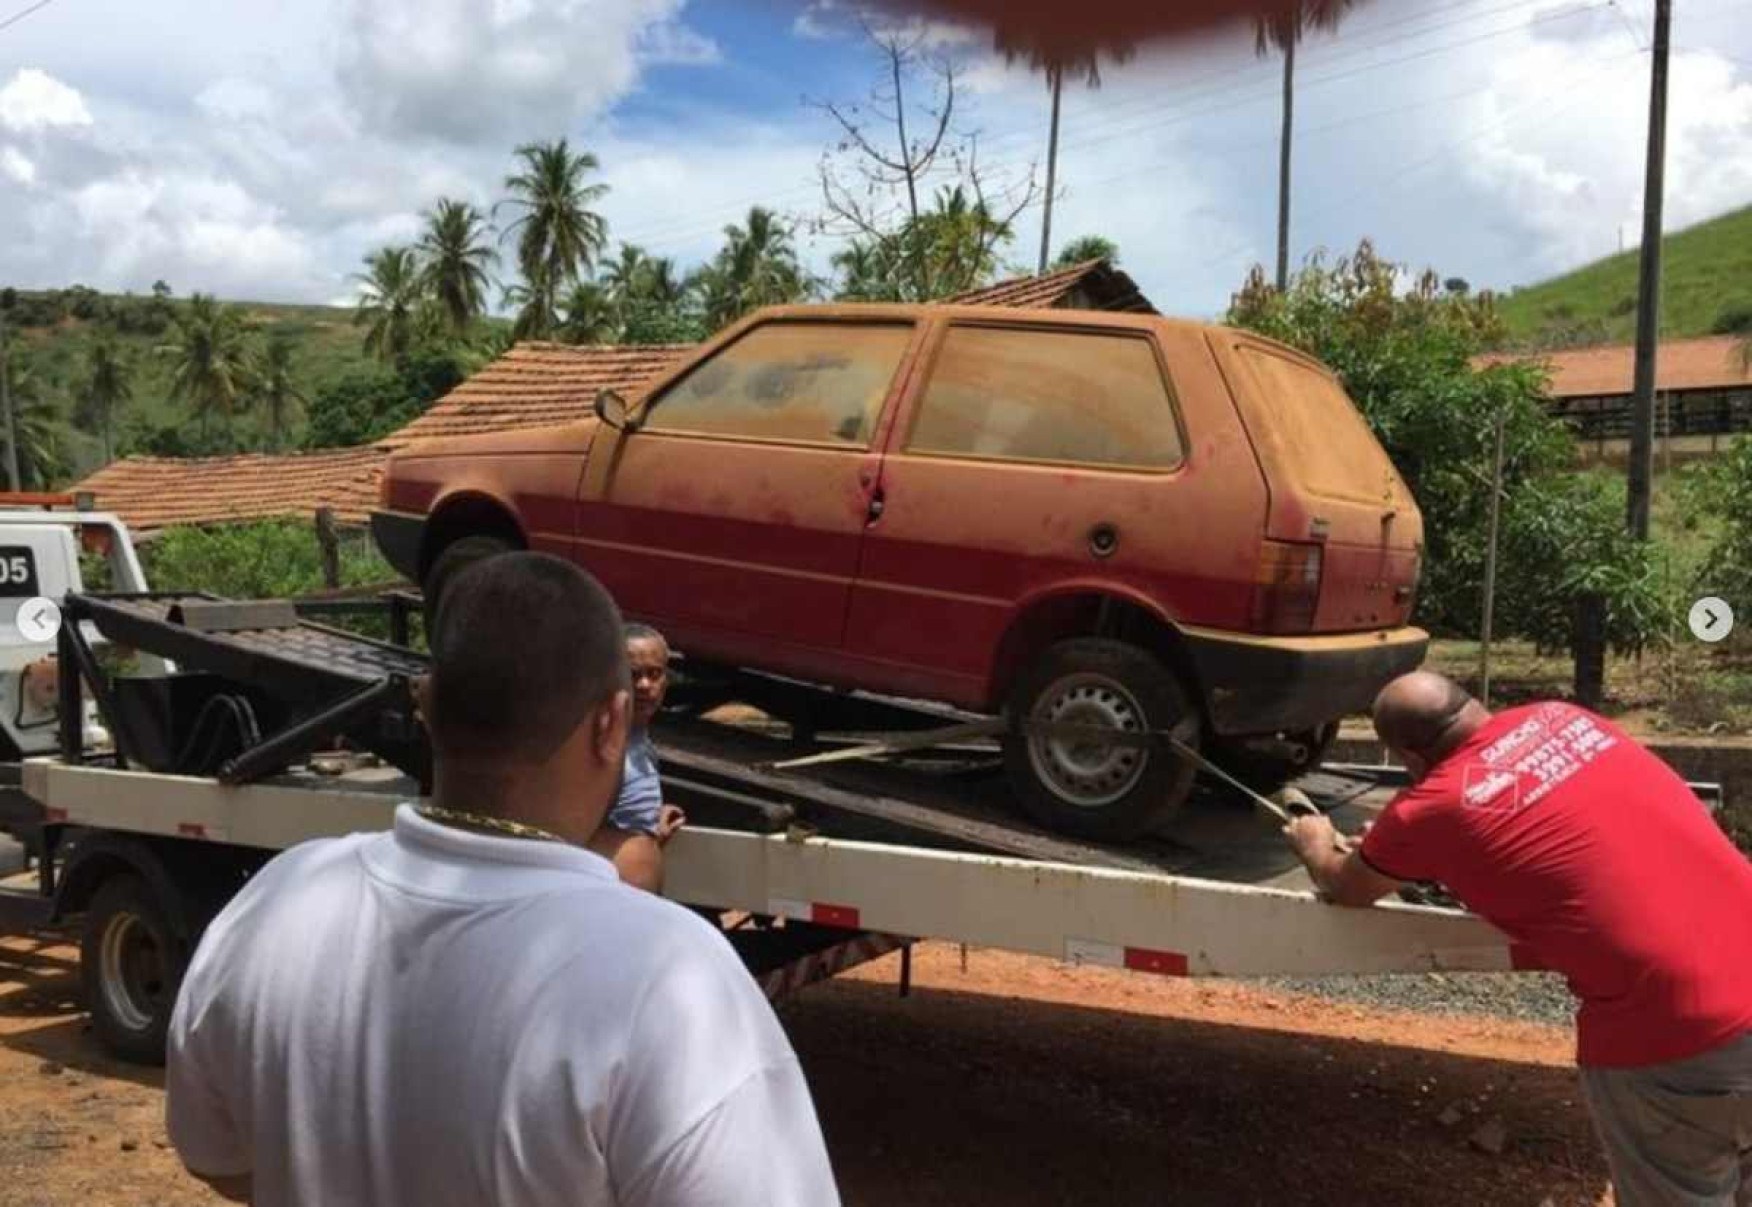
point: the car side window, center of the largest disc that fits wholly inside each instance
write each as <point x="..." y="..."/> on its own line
<point x="818" y="383"/>
<point x="1063" y="397"/>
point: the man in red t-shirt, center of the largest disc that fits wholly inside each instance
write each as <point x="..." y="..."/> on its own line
<point x="1599" y="863"/>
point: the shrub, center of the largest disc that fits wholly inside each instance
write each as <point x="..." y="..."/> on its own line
<point x="1406" y="359"/>
<point x="1733" y="319"/>
<point x="358" y="407"/>
<point x="274" y="559"/>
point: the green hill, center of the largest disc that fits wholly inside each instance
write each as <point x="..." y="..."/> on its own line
<point x="51" y="331"/>
<point x="1706" y="287"/>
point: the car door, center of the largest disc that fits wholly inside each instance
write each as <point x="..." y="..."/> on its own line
<point x="732" y="512"/>
<point x="1035" y="458"/>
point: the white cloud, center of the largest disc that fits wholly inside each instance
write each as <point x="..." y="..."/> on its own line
<point x="471" y="71"/>
<point x="15" y="164"/>
<point x="34" y="100"/>
<point x="675" y="45"/>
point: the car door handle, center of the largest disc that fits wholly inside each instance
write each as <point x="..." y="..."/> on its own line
<point x="874" y="511"/>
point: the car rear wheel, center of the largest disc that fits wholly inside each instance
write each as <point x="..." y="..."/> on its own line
<point x="1084" y="786"/>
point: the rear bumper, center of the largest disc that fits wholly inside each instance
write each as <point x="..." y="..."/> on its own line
<point x="399" y="535"/>
<point x="1257" y="685"/>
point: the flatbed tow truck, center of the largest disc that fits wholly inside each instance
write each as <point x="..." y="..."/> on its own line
<point x="171" y="780"/>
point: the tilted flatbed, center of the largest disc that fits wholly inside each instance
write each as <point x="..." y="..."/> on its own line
<point x="809" y="874"/>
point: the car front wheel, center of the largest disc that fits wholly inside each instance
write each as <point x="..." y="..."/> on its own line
<point x="1079" y="784"/>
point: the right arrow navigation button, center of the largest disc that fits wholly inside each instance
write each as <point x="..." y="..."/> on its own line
<point x="1711" y="618"/>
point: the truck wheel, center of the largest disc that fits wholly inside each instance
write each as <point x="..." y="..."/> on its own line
<point x="1090" y="788"/>
<point x="132" y="964"/>
<point x="1269" y="765"/>
<point x="464" y="551"/>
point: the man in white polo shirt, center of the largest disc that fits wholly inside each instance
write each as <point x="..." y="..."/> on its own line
<point x="473" y="1008"/>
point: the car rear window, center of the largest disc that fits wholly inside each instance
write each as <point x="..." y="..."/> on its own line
<point x="811" y="382"/>
<point x="1322" y="437"/>
<point x="1066" y="397"/>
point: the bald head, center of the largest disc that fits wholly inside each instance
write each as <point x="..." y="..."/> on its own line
<point x="1424" y="715"/>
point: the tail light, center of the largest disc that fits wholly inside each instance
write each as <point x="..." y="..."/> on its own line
<point x="1286" y="588"/>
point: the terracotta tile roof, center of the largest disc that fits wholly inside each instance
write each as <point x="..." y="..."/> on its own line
<point x="1091" y="285"/>
<point x="156" y="492"/>
<point x="1710" y="363"/>
<point x="535" y="384"/>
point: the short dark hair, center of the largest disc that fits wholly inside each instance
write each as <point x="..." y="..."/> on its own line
<point x="643" y="632"/>
<point x="526" y="645"/>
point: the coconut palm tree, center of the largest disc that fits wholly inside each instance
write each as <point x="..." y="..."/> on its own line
<point x="590" y="315"/>
<point x="278" y="390"/>
<point x="1080" y="62"/>
<point x="623" y="277"/>
<point x="109" y="387"/>
<point x="559" y="235"/>
<point x="215" y="367"/>
<point x="1283" y="31"/>
<point x="535" y="306"/>
<point x="757" y="267"/>
<point x="1086" y="248"/>
<point x="455" y="258"/>
<point x="390" y="298"/>
<point x="42" y="436"/>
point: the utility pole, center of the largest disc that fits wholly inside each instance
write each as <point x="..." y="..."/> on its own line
<point x="1058" y="81"/>
<point x="1648" y="301"/>
<point x="6" y="299"/>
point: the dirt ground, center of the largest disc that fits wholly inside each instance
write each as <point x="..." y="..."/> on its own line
<point x="1016" y="1082"/>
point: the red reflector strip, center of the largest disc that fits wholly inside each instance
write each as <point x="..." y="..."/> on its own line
<point x="1166" y="963"/>
<point x="819" y="912"/>
<point x="1137" y="959"/>
<point x="833" y="915"/>
<point x="54" y="815"/>
<point x="191" y="829"/>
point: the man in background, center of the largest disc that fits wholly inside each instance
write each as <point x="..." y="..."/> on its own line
<point x="1601" y="863"/>
<point x="640" y="823"/>
<point x="473" y="1008"/>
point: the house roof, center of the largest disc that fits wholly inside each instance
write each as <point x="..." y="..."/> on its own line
<point x="1090" y="285"/>
<point x="157" y="492"/>
<point x="536" y="384"/>
<point x="1710" y="363"/>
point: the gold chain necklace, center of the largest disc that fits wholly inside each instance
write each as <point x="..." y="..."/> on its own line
<point x="498" y="825"/>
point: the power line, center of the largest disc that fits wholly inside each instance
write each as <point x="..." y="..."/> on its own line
<point x="21" y="14"/>
<point x="676" y="229"/>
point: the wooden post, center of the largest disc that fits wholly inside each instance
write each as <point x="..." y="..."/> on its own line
<point x="1590" y="649"/>
<point x="1490" y="568"/>
<point x="1641" y="466"/>
<point x="328" y="543"/>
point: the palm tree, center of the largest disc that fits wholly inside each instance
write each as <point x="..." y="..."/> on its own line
<point x="623" y="277"/>
<point x="456" y="258"/>
<point x="214" y="367"/>
<point x="108" y="388"/>
<point x="535" y="305"/>
<point x="559" y="235"/>
<point x="1057" y="61"/>
<point x="389" y="300"/>
<point x="42" y="436"/>
<point x="757" y="267"/>
<point x="280" y="394"/>
<point x="1283" y="31"/>
<point x="590" y="316"/>
<point x="1089" y="247"/>
<point x="866" y="272"/>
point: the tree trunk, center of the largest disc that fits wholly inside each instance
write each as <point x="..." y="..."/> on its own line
<point x="1283" y="240"/>
<point x="1058" y="79"/>
<point x="328" y="543"/>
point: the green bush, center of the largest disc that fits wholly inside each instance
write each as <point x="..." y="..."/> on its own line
<point x="275" y="559"/>
<point x="1406" y="359"/>
<point x="1719" y="489"/>
<point x="1733" y="319"/>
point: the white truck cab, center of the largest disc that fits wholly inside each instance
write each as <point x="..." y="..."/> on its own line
<point x="49" y="546"/>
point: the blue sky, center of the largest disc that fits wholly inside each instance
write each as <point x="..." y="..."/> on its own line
<point x="260" y="148"/>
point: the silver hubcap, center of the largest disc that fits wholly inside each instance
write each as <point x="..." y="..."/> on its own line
<point x="133" y="972"/>
<point x="1080" y="771"/>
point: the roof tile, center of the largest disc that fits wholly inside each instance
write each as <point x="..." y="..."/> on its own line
<point x="1711" y="363"/>
<point x="157" y="492"/>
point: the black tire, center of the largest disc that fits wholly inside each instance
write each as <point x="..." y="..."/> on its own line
<point x="131" y="964"/>
<point x="1108" y="793"/>
<point x="464" y="551"/>
<point x="1266" y="771"/>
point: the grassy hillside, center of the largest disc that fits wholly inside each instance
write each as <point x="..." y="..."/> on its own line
<point x="325" y="345"/>
<point x="1706" y="279"/>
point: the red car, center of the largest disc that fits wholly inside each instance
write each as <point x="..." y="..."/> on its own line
<point x="1089" y="519"/>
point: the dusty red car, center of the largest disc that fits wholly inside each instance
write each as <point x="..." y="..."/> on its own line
<point x="1083" y="518"/>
